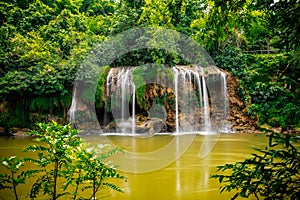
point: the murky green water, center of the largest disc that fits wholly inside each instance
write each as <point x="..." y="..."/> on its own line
<point x="186" y="178"/>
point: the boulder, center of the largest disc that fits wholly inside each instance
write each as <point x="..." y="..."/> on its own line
<point x="148" y="126"/>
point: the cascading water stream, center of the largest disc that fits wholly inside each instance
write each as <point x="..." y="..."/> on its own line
<point x="190" y="82"/>
<point x="207" y="125"/>
<point x="109" y="79"/>
<point x="198" y="82"/>
<point x="223" y="75"/>
<point x="120" y="91"/>
<point x="133" y="108"/>
<point x="226" y="103"/>
<point x="186" y="83"/>
<point x="176" y="99"/>
<point x="73" y="106"/>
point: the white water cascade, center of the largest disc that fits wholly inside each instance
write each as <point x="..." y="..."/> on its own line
<point x="206" y="105"/>
<point x="72" y="109"/>
<point x="133" y="108"/>
<point x="121" y="88"/>
<point x="188" y="92"/>
<point x="196" y="100"/>
<point x="176" y="100"/>
<point x="226" y="124"/>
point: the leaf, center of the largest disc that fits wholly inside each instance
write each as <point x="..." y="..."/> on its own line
<point x="235" y="196"/>
<point x="221" y="179"/>
<point x="112" y="186"/>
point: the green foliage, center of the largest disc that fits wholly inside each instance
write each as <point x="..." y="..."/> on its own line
<point x="140" y="92"/>
<point x="25" y="112"/>
<point x="146" y="75"/>
<point x="282" y="12"/>
<point x="271" y="173"/>
<point x="139" y="81"/>
<point x="100" y="89"/>
<point x="42" y="48"/>
<point x="267" y="85"/>
<point x="10" y="119"/>
<point x="43" y="44"/>
<point x="58" y="142"/>
<point x="92" y="169"/>
<point x="61" y="157"/>
<point x="223" y="20"/>
<point x="12" y="180"/>
<point x="43" y="104"/>
<point x="94" y="8"/>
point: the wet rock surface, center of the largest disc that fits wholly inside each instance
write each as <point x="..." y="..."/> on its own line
<point x="239" y="121"/>
<point x="144" y="125"/>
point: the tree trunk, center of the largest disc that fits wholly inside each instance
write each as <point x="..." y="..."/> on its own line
<point x="14" y="185"/>
<point x="55" y="180"/>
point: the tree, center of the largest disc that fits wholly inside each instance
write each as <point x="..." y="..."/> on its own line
<point x="282" y="12"/>
<point x="224" y="18"/>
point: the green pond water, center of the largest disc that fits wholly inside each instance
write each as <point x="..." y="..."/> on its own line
<point x="162" y="167"/>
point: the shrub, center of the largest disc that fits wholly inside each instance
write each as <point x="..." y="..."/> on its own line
<point x="62" y="157"/>
<point x="272" y="173"/>
<point x="266" y="83"/>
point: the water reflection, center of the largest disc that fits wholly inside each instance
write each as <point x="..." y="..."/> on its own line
<point x="145" y="154"/>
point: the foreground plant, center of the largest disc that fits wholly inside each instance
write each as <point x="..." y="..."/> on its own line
<point x="12" y="179"/>
<point x="91" y="170"/>
<point x="273" y="173"/>
<point x="62" y="160"/>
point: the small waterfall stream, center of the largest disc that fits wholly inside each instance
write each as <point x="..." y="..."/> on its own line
<point x="206" y="105"/>
<point x="176" y="100"/>
<point x="72" y="110"/>
<point x="133" y="109"/>
<point x="226" y="125"/>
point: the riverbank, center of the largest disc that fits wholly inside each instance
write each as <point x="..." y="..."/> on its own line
<point x="242" y="123"/>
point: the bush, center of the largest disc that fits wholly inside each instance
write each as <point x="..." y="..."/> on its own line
<point x="62" y="157"/>
<point x="266" y="85"/>
<point x="273" y="173"/>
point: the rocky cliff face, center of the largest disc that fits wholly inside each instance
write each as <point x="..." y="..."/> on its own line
<point x="239" y="121"/>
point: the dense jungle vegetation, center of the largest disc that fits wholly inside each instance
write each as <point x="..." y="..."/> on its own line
<point x="43" y="42"/>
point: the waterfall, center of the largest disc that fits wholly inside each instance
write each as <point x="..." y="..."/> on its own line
<point x="198" y="82"/>
<point x="188" y="100"/>
<point x="121" y="84"/>
<point x="133" y="108"/>
<point x="226" y="124"/>
<point x="176" y="99"/>
<point x="120" y="91"/>
<point x="206" y="105"/>
<point x="72" y="109"/>
<point x="223" y="75"/>
<point x="109" y="80"/>
<point x="197" y="101"/>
